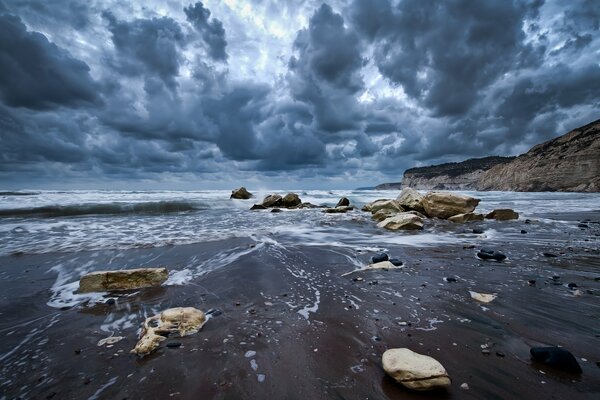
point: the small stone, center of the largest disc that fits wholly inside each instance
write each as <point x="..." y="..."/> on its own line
<point x="491" y="255"/>
<point x="523" y="231"/>
<point x="450" y="279"/>
<point x="173" y="345"/>
<point x="397" y="262"/>
<point x="531" y="282"/>
<point x="464" y="386"/>
<point x="572" y="285"/>
<point x="556" y="357"/>
<point x="527" y="221"/>
<point x="555" y="277"/>
<point x="500" y="354"/>
<point x="110" y="302"/>
<point x="549" y="255"/>
<point x="415" y="371"/>
<point x="276" y="210"/>
<point x="379" y="258"/>
<point x="486" y="351"/>
<point x="477" y="231"/>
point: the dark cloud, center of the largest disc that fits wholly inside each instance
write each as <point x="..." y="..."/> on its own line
<point x="147" y="46"/>
<point x="72" y="12"/>
<point x="35" y="73"/>
<point x="326" y="71"/>
<point x="212" y="32"/>
<point x="445" y="53"/>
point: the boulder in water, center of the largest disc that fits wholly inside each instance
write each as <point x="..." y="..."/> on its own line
<point x="272" y="200"/>
<point x="415" y="371"/>
<point x="444" y="205"/>
<point x="410" y="199"/>
<point x="128" y="279"/>
<point x="503" y="214"/>
<point x="291" y="200"/>
<point x="556" y="357"/>
<point x="388" y="205"/>
<point x="183" y="321"/>
<point x="240" y="193"/>
<point x="468" y="217"/>
<point x="343" y="202"/>
<point x="404" y="221"/>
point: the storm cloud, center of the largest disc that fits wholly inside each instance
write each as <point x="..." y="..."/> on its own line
<point x="304" y="93"/>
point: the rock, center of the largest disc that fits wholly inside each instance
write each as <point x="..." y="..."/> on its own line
<point x="338" y="210"/>
<point x="258" y="207"/>
<point x="482" y="297"/>
<point x="276" y="210"/>
<point x="404" y="221"/>
<point x="464" y="386"/>
<point x="389" y="205"/>
<point x="556" y="357"/>
<point x="523" y="231"/>
<point x="380" y="215"/>
<point x="180" y="320"/>
<point x="551" y="255"/>
<point x="478" y="231"/>
<point x="572" y="285"/>
<point x="385" y="265"/>
<point x="396" y="261"/>
<point x="174" y="345"/>
<point x="272" y="200"/>
<point x="444" y="205"/>
<point x="367" y="206"/>
<point x="450" y="279"/>
<point x="415" y="371"/>
<point x="379" y="258"/>
<point x="490" y="255"/>
<point x="291" y="200"/>
<point x="468" y="217"/>
<point x="309" y="205"/>
<point x="410" y="199"/>
<point x="502" y="214"/>
<point x="127" y="279"/>
<point x="110" y="340"/>
<point x="240" y="193"/>
<point x="343" y="202"/>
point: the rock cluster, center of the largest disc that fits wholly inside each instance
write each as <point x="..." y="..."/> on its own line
<point x="128" y="279"/>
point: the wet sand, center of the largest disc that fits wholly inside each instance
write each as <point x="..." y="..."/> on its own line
<point x="291" y="327"/>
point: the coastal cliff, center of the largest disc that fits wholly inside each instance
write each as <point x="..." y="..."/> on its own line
<point x="569" y="163"/>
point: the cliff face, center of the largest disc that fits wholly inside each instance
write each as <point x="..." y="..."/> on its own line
<point x="569" y="163"/>
<point x="451" y="176"/>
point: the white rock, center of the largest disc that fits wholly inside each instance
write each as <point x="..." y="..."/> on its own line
<point x="404" y="221"/>
<point x="411" y="199"/>
<point x="483" y="297"/>
<point x="415" y="371"/>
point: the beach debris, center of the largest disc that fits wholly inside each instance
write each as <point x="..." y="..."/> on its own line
<point x="487" y="254"/>
<point x="502" y="214"/>
<point x="385" y="265"/>
<point x="413" y="370"/>
<point x="379" y="258"/>
<point x="110" y="340"/>
<point x="344" y="202"/>
<point x="467" y="217"/>
<point x="241" y="194"/>
<point x="184" y="321"/>
<point x="483" y="297"/>
<point x="444" y="205"/>
<point x="410" y="199"/>
<point x="404" y="221"/>
<point x="127" y="279"/>
<point x="556" y="357"/>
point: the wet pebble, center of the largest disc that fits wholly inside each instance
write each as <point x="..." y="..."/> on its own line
<point x="396" y="261"/>
<point x="464" y="386"/>
<point x="379" y="258"/>
<point x="487" y="254"/>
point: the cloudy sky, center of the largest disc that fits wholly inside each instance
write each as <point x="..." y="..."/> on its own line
<point x="289" y="93"/>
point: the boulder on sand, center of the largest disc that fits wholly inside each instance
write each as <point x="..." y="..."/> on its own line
<point x="291" y="200"/>
<point x="183" y="321"/>
<point x="503" y="214"/>
<point x="410" y="199"/>
<point x="415" y="371"/>
<point x="128" y="279"/>
<point x="272" y="200"/>
<point x="240" y="193"/>
<point x="444" y="205"/>
<point x="468" y="217"/>
<point x="407" y="221"/>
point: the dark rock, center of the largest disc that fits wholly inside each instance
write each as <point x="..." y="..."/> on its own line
<point x="582" y="226"/>
<point x="110" y="302"/>
<point x="556" y="357"/>
<point x="214" y="312"/>
<point x="523" y="231"/>
<point x="477" y="231"/>
<point x="379" y="258"/>
<point x="343" y="202"/>
<point x="396" y="261"/>
<point x="276" y="210"/>
<point x="469" y="246"/>
<point x="527" y="221"/>
<point x="572" y="285"/>
<point x="490" y="255"/>
<point x="531" y="282"/>
<point x="500" y="354"/>
<point x="240" y="193"/>
<point x="258" y="207"/>
<point x="173" y="344"/>
<point x="485" y="351"/>
<point x="549" y="255"/>
<point x="450" y="279"/>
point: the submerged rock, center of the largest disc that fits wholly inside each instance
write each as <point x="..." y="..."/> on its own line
<point x="415" y="371"/>
<point x="503" y="214"/>
<point x="127" y="279"/>
<point x="444" y="205"/>
<point x="410" y="199"/>
<point x="183" y="321"/>
<point x="241" y="193"/>
<point x="556" y="357"/>
<point x="468" y="217"/>
<point x="405" y="221"/>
